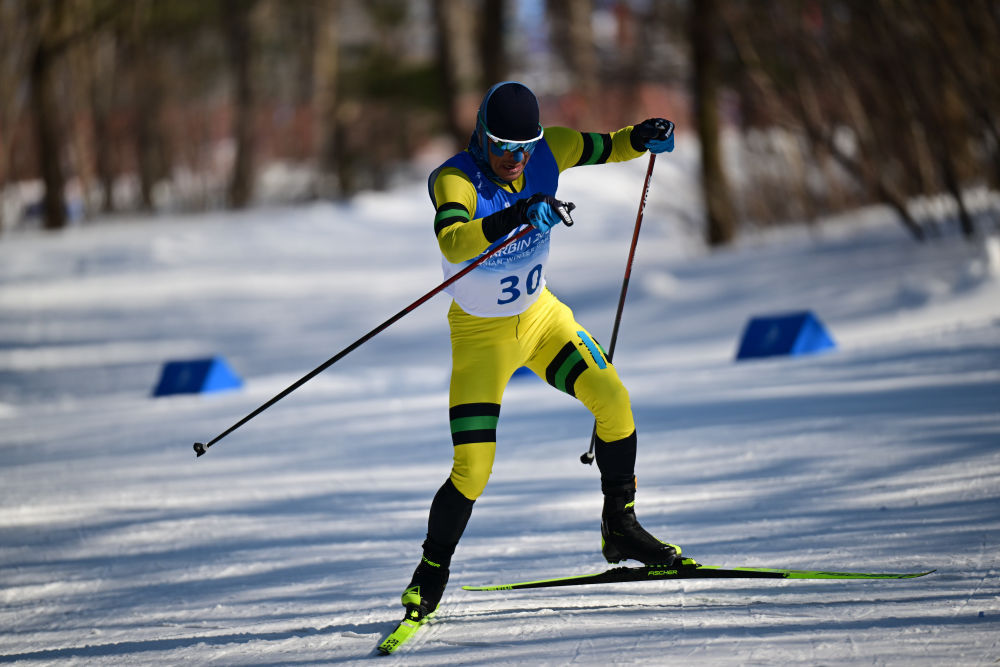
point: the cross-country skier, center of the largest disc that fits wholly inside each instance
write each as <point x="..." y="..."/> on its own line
<point x="504" y="317"/>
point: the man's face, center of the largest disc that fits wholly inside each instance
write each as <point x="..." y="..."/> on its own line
<point x="507" y="167"/>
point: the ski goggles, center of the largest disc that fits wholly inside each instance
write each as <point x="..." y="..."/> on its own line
<point x="499" y="146"/>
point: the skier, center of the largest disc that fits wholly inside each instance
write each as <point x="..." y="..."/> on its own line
<point x="503" y="317"/>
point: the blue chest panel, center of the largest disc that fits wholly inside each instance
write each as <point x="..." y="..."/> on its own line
<point x="512" y="279"/>
<point x="540" y="175"/>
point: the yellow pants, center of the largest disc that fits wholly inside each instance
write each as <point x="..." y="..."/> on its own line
<point x="547" y="339"/>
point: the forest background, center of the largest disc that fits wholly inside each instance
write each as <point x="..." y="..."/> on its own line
<point x="801" y="108"/>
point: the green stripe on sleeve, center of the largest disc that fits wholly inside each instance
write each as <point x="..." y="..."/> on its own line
<point x="448" y="214"/>
<point x="596" y="148"/>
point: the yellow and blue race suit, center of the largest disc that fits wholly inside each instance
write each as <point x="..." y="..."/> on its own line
<point x="503" y="316"/>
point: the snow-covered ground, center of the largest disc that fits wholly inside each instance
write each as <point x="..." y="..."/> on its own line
<point x="291" y="540"/>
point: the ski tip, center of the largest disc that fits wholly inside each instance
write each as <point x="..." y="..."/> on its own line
<point x="406" y="628"/>
<point x="392" y="642"/>
<point x="905" y="575"/>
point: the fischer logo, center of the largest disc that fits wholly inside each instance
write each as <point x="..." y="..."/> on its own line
<point x="661" y="573"/>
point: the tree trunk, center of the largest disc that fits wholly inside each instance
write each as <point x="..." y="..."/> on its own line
<point x="704" y="30"/>
<point x="456" y="55"/>
<point x="239" y="35"/>
<point x="147" y="100"/>
<point x="572" y="37"/>
<point x="326" y="100"/>
<point x="17" y="37"/>
<point x="48" y="137"/>
<point x="102" y="85"/>
<point x="493" y="51"/>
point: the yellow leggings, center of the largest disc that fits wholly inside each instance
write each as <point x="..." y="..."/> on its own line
<point x="485" y="353"/>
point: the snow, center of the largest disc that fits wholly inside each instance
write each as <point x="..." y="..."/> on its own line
<point x="290" y="541"/>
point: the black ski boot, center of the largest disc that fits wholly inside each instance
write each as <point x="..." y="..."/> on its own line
<point x="622" y="537"/>
<point x="450" y="512"/>
<point x="426" y="587"/>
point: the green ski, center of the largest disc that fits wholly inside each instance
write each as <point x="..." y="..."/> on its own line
<point x="412" y="622"/>
<point x="650" y="573"/>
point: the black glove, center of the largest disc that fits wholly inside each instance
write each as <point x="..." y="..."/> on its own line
<point x="540" y="210"/>
<point x="655" y="135"/>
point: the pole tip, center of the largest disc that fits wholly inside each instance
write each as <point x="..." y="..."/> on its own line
<point x="199" y="448"/>
<point x="587" y="458"/>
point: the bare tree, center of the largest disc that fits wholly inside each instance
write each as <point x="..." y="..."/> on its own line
<point x="704" y="32"/>
<point x="457" y="59"/>
<point x="145" y="70"/>
<point x="572" y="37"/>
<point x="51" y="19"/>
<point x="900" y="95"/>
<point x="18" y="34"/>
<point x="237" y="16"/>
<point x="326" y="100"/>
<point x="493" y="51"/>
<point x="61" y="25"/>
<point x="102" y="59"/>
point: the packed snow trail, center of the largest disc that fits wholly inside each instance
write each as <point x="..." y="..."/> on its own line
<point x="292" y="543"/>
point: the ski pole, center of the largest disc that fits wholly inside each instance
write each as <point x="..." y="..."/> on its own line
<point x="587" y="458"/>
<point x="201" y="448"/>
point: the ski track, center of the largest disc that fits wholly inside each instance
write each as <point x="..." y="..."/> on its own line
<point x="291" y="540"/>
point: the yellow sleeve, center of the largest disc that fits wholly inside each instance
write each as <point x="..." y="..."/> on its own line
<point x="459" y="234"/>
<point x="572" y="148"/>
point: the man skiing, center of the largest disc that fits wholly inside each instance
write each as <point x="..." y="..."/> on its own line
<point x="504" y="317"/>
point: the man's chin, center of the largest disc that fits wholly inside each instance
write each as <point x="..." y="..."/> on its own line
<point x="511" y="175"/>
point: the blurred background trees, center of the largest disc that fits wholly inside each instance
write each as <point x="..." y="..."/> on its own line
<point x="796" y="108"/>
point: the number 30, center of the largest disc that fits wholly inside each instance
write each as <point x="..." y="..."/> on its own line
<point x="510" y="291"/>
